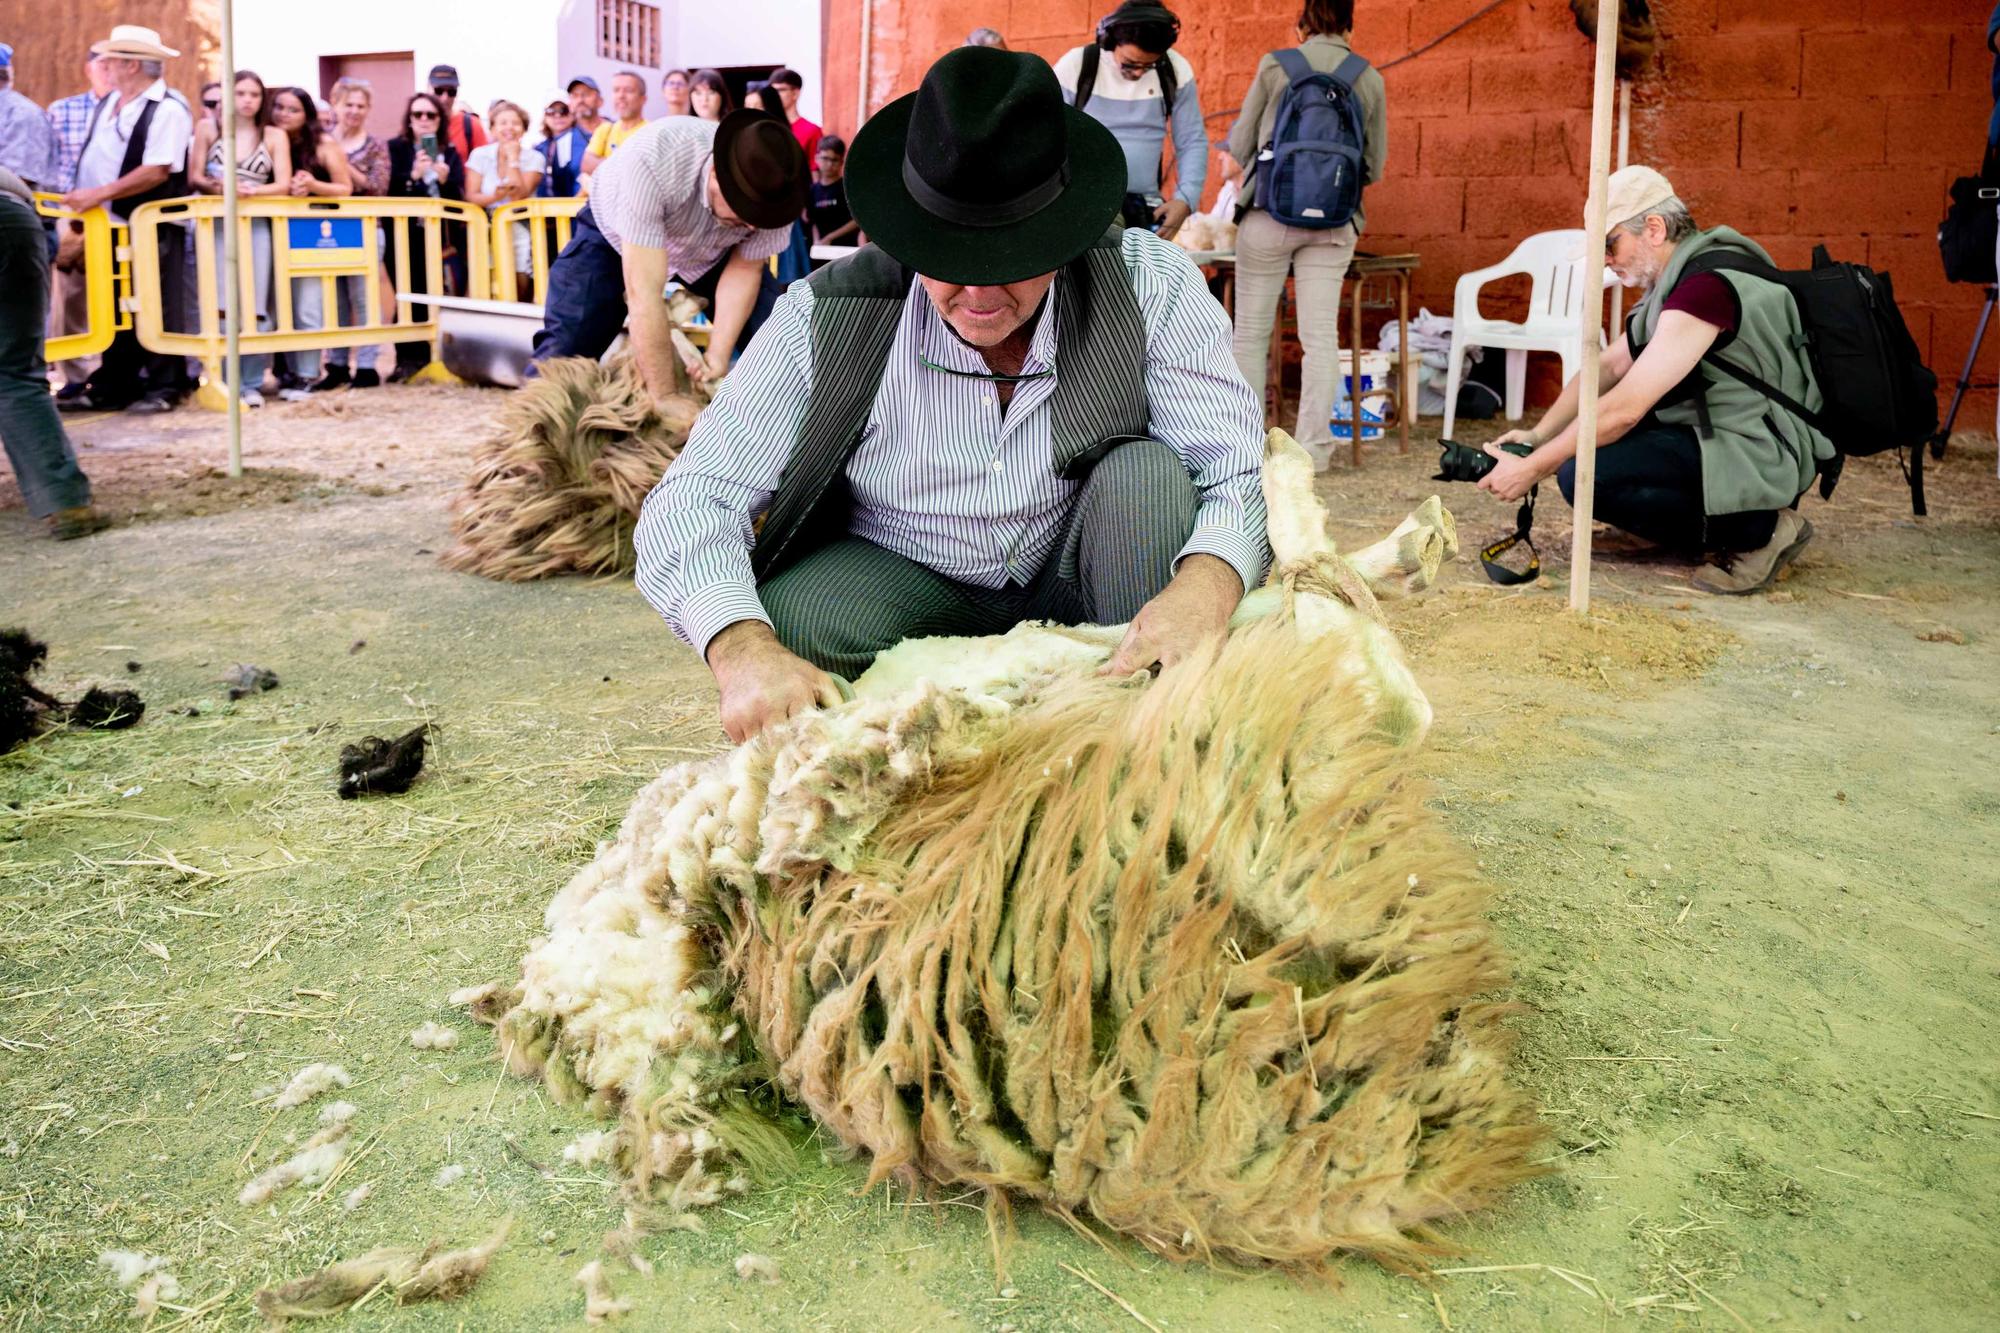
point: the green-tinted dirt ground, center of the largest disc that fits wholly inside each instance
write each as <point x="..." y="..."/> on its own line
<point x="1744" y="853"/>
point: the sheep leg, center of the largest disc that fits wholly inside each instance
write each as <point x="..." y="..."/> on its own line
<point x="1407" y="560"/>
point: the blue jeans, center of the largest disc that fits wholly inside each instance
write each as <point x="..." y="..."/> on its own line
<point x="585" y="308"/>
<point x="37" y="447"/>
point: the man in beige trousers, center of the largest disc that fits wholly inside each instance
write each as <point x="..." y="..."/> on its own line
<point x="1266" y="249"/>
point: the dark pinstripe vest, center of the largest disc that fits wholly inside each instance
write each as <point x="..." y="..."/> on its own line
<point x="857" y="303"/>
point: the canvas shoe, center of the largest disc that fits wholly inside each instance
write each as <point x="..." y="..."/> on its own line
<point x="1734" y="573"/>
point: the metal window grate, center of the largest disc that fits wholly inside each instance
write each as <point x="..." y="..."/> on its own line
<point x="628" y="31"/>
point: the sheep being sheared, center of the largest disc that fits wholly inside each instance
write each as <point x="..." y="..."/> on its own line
<point x="1188" y="954"/>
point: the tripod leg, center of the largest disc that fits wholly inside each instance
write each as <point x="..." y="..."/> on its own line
<point x="1939" y="440"/>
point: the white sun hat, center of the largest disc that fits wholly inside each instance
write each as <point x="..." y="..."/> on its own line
<point x="129" y="41"/>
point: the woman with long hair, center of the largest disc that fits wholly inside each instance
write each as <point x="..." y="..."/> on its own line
<point x="263" y="165"/>
<point x="319" y="169"/>
<point x="708" y="94"/>
<point x="422" y="165"/>
<point x="368" y="169"/>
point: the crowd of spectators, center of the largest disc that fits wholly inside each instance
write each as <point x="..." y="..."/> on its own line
<point x="289" y="142"/>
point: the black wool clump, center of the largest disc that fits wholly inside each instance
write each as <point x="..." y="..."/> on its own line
<point x="373" y="766"/>
<point x="22" y="706"/>
<point x="107" y="710"/>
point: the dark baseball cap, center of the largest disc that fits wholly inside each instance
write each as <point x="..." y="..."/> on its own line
<point x="443" y="74"/>
<point x="586" y="81"/>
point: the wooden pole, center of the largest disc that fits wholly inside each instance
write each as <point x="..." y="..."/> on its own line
<point x="1624" y="160"/>
<point x="1590" y="318"/>
<point x="232" y="288"/>
<point x="861" y="94"/>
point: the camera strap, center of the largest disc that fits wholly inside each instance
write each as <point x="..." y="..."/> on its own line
<point x="1524" y="525"/>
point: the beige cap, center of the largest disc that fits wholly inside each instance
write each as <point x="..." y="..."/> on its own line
<point x="129" y="41"/>
<point x="1631" y="191"/>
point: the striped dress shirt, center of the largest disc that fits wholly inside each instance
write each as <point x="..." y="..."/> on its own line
<point x="943" y="476"/>
<point x="653" y="192"/>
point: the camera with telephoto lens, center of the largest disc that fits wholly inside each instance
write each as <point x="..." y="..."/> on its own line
<point x="1458" y="462"/>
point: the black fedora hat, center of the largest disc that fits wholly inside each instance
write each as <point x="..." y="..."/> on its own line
<point x="761" y="168"/>
<point x="985" y="174"/>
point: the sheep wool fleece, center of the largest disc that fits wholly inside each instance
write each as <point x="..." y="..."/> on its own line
<point x="1189" y="955"/>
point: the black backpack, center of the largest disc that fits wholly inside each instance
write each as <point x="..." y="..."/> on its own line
<point x="1877" y="392"/>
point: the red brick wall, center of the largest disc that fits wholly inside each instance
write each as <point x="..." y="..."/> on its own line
<point x="1795" y="121"/>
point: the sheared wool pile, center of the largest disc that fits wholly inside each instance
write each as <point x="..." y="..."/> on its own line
<point x="1189" y="955"/>
<point x="557" y="488"/>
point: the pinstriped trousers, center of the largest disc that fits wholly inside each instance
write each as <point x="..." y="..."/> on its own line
<point x="851" y="599"/>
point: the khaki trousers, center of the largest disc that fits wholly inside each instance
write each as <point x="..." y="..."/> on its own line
<point x="1266" y="250"/>
<point x="69" y="312"/>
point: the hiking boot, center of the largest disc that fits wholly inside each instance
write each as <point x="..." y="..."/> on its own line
<point x="1735" y="573"/>
<point x="66" y="525"/>
<point x="335" y="378"/>
<point x="367" y="379"/>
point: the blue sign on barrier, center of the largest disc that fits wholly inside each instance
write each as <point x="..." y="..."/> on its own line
<point x="329" y="243"/>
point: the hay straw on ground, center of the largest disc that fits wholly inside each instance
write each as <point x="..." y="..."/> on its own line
<point x="557" y="488"/>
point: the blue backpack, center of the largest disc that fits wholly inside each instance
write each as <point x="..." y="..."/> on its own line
<point x="1309" y="174"/>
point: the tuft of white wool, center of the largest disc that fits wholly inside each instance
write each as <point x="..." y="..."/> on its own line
<point x="356" y="1197"/>
<point x="128" y="1267"/>
<point x="591" y="1147"/>
<point x="309" y="1083"/>
<point x="599" y="1305"/>
<point x="335" y="1113"/>
<point x="762" y="1267"/>
<point x="159" y="1287"/>
<point x="448" y="1176"/>
<point x="434" y="1037"/>
<point x="311" y="1165"/>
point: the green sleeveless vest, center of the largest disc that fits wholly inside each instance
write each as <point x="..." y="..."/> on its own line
<point x="1755" y="454"/>
<point x="857" y="303"/>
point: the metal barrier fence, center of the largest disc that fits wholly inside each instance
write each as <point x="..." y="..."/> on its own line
<point x="314" y="241"/>
<point x="107" y="275"/>
<point x="546" y="224"/>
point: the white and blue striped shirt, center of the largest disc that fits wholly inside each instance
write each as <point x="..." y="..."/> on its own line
<point x="942" y="476"/>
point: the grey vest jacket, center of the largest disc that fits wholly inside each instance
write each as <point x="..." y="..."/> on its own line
<point x="1100" y="393"/>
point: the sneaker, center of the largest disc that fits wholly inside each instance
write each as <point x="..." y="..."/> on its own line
<point x="151" y="405"/>
<point x="335" y="378"/>
<point x="69" y="393"/>
<point x="75" y="398"/>
<point x="66" y="525"/>
<point x="367" y="379"/>
<point x="1735" y="573"/>
<point x="294" y="393"/>
<point x="253" y="398"/>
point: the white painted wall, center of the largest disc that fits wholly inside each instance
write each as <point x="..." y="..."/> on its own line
<point x="525" y="49"/>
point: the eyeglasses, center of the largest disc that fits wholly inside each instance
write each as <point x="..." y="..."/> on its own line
<point x="1137" y="67"/>
<point x="557" y="110"/>
<point x="211" y="103"/>
<point x="423" y="115"/>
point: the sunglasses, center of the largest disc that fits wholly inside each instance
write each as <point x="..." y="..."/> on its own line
<point x="423" y="115"/>
<point x="211" y="103"/>
<point x="445" y="89"/>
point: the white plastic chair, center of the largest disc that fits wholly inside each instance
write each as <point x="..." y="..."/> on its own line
<point x="1553" y="261"/>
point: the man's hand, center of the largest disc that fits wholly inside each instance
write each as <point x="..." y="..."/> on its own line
<point x="762" y="681"/>
<point x="1195" y="606"/>
<point x="1526" y="437"/>
<point x="82" y="201"/>
<point x="1170" y="215"/>
<point x="1512" y="477"/>
<point x="707" y="369"/>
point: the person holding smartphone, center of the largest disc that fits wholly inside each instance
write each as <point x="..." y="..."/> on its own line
<point x="421" y="164"/>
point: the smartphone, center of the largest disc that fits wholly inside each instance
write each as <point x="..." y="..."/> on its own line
<point x="429" y="143"/>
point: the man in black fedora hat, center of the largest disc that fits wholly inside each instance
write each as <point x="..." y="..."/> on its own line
<point x="1004" y="408"/>
<point x="703" y="201"/>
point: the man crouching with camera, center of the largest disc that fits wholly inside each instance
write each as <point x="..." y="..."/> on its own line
<point x="1689" y="459"/>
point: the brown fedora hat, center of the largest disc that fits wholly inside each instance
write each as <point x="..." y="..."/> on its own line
<point x="761" y="168"/>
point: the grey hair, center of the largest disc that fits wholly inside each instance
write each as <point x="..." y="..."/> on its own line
<point x="153" y="69"/>
<point x="1671" y="211"/>
<point x="986" y="37"/>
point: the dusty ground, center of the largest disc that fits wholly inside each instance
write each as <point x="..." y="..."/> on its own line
<point x="1744" y="848"/>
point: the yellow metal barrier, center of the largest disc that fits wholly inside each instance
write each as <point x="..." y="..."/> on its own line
<point x="541" y="216"/>
<point x="310" y="239"/>
<point x="107" y="273"/>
